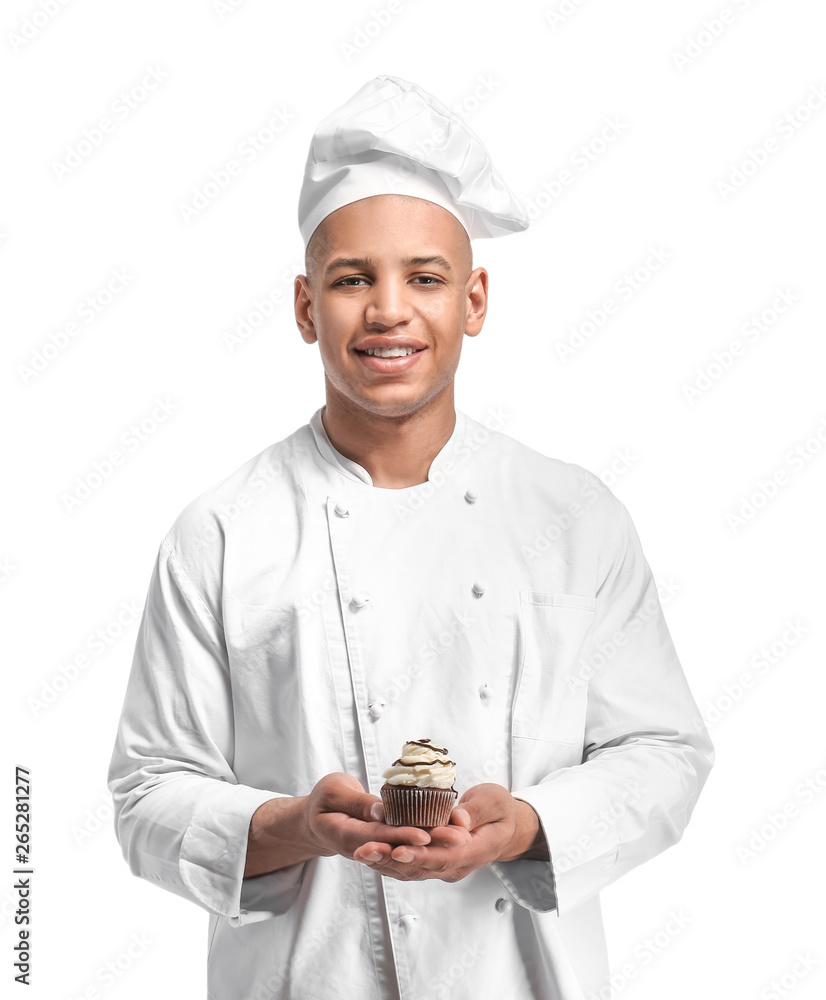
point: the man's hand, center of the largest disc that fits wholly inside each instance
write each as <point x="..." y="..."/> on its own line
<point x="498" y="827"/>
<point x="337" y="817"/>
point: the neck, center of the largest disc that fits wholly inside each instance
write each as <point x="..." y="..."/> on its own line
<point x="397" y="451"/>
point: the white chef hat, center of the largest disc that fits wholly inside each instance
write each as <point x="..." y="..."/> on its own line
<point x="392" y="137"/>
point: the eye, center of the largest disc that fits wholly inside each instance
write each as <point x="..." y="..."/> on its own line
<point x="345" y="281"/>
<point x="428" y="277"/>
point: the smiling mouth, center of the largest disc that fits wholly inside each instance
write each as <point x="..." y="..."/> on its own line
<point x="390" y="352"/>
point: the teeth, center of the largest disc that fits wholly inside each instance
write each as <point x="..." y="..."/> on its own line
<point x="390" y="352"/>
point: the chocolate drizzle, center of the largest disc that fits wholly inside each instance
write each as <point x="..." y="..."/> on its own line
<point x="423" y="763"/>
<point x="428" y="744"/>
<point x="415" y="768"/>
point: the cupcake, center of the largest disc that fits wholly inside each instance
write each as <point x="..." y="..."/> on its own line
<point x="418" y="786"/>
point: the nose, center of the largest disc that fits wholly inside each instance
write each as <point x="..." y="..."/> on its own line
<point x="388" y="304"/>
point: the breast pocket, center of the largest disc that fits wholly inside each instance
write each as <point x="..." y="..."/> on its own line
<point x="551" y="692"/>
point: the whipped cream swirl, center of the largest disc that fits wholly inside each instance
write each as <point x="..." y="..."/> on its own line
<point x="422" y="764"/>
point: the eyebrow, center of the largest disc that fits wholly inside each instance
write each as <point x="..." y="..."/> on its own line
<point x="365" y="263"/>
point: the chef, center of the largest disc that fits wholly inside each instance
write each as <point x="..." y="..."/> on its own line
<point x="395" y="570"/>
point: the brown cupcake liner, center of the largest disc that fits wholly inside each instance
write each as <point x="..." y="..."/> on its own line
<point x="410" y="805"/>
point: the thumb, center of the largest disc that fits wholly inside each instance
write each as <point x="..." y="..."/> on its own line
<point x="346" y="794"/>
<point x="368" y="808"/>
<point x="466" y="811"/>
<point x="377" y="811"/>
<point x="461" y="816"/>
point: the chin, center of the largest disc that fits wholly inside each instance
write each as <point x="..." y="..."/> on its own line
<point x="394" y="405"/>
<point x="395" y="408"/>
<point x="390" y="400"/>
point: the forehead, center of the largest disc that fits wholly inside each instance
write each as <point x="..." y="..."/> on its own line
<point x="389" y="220"/>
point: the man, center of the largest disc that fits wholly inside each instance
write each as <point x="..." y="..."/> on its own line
<point x="374" y="578"/>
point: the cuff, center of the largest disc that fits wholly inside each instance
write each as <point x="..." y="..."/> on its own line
<point x="574" y="812"/>
<point x="531" y="883"/>
<point x="214" y="855"/>
<point x="266" y="896"/>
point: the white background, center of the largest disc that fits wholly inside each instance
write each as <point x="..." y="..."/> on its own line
<point x="535" y="91"/>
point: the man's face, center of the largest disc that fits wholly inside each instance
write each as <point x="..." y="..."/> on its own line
<point x="375" y="285"/>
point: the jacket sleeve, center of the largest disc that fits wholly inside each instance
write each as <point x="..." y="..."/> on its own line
<point x="181" y="816"/>
<point x="646" y="752"/>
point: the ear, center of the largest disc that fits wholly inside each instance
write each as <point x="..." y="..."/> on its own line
<point x="476" y="301"/>
<point x="304" y="309"/>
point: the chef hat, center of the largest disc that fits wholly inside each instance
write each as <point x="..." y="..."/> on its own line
<point x="392" y="137"/>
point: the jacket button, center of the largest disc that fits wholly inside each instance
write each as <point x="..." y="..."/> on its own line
<point x="504" y="905"/>
<point x="359" y="600"/>
<point x="478" y="588"/>
<point x="485" y="692"/>
<point x="407" y="920"/>
<point x="471" y="496"/>
<point x="376" y="708"/>
<point x="341" y="510"/>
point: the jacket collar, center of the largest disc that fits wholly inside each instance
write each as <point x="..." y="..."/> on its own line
<point x="352" y="470"/>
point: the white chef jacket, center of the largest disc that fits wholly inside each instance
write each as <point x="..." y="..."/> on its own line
<point x="301" y="620"/>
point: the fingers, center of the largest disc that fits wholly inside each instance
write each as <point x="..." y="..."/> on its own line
<point x="382" y="833"/>
<point x="406" y="862"/>
<point x="398" y="834"/>
<point x="444" y="849"/>
<point x="440" y="836"/>
<point x="373" y="851"/>
<point x="436" y="836"/>
<point x="437" y="859"/>
<point x="449" y="836"/>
